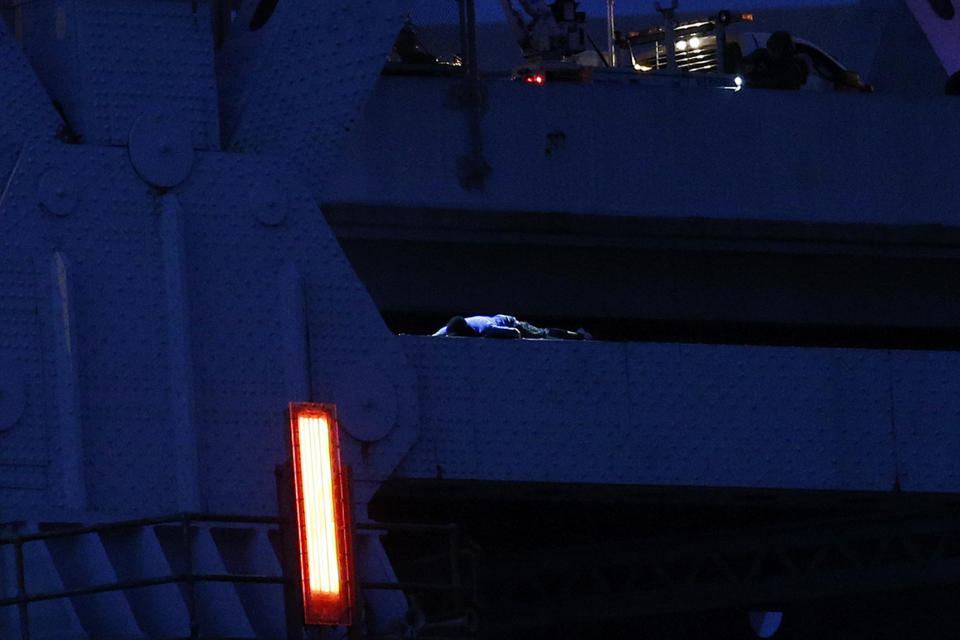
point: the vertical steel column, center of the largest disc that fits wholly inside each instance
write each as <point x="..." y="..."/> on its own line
<point x="471" y="39"/>
<point x="473" y="168"/>
<point x="455" y="568"/>
<point x="611" y="36"/>
<point x="721" y="31"/>
<point x="69" y="430"/>
<point x="289" y="552"/>
<point x="295" y="335"/>
<point x="189" y="579"/>
<point x="22" y="591"/>
<point x="181" y="398"/>
<point x="463" y="30"/>
<point x="668" y="37"/>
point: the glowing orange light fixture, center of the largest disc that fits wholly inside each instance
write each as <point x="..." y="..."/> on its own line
<point x="323" y="515"/>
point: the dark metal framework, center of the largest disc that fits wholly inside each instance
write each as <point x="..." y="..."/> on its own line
<point x="190" y="577"/>
<point x="762" y="569"/>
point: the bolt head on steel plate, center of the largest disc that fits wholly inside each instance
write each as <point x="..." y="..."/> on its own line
<point x="161" y="149"/>
<point x="58" y="192"/>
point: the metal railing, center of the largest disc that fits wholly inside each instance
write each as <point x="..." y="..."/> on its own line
<point x="188" y="578"/>
<point x="451" y="612"/>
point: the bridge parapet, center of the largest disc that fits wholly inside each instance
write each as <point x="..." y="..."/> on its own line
<point x="660" y="152"/>
<point x="685" y="414"/>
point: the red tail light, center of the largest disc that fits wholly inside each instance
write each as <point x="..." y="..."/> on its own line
<point x="537" y="78"/>
<point x="323" y="515"/>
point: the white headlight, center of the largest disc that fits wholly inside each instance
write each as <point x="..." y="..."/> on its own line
<point x="694" y="42"/>
<point x="681" y="45"/>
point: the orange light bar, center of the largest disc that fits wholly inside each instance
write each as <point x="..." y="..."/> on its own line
<point x="323" y="515"/>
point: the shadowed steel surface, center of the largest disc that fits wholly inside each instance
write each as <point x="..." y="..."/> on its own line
<point x="161" y="298"/>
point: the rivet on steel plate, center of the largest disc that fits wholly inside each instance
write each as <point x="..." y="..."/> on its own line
<point x="57" y="192"/>
<point x="161" y="149"/>
<point x="271" y="213"/>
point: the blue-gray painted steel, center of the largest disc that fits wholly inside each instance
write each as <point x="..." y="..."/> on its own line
<point x="67" y="434"/>
<point x="203" y="289"/>
<point x="763" y="154"/>
<point x="323" y="62"/>
<point x="676" y="414"/>
<point x="25" y="109"/>
<point x="105" y="62"/>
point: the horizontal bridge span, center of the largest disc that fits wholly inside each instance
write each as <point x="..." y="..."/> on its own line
<point x="685" y="414"/>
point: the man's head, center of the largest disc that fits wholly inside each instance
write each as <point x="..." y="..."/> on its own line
<point x="457" y="326"/>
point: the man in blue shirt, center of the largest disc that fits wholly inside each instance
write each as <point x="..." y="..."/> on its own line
<point x="502" y="326"/>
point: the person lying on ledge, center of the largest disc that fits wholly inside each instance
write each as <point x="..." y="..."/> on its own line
<point x="504" y="326"/>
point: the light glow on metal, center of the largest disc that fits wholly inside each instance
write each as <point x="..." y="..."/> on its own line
<point x="318" y="506"/>
<point x="765" y="623"/>
<point x="323" y="515"/>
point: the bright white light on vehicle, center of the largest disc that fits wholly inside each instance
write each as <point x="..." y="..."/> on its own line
<point x="642" y="67"/>
<point x="736" y="85"/>
<point x="681" y="45"/>
<point x="694" y="42"/>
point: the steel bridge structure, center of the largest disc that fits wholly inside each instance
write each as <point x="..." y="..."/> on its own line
<point x="208" y="213"/>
